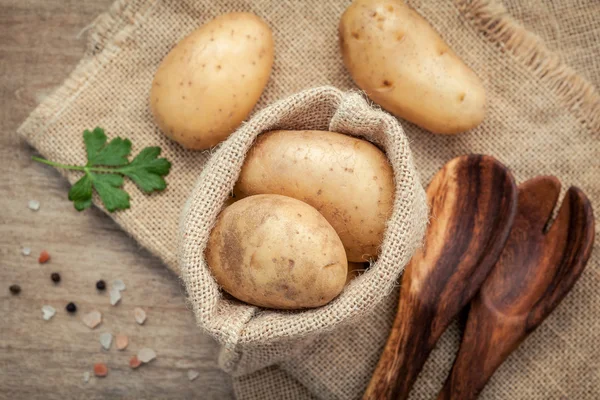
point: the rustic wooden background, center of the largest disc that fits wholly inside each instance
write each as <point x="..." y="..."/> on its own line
<point x="40" y="43"/>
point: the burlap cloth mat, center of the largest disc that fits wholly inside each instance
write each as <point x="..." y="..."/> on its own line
<point x="543" y="118"/>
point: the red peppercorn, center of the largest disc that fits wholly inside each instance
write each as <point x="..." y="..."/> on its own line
<point x="44" y="257"/>
<point x="100" y="370"/>
<point x="134" y="362"/>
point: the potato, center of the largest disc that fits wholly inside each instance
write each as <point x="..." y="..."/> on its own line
<point x="401" y="62"/>
<point x="349" y="181"/>
<point x="208" y="84"/>
<point x="277" y="252"/>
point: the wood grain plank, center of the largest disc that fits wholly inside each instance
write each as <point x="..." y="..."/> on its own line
<point x="39" y="45"/>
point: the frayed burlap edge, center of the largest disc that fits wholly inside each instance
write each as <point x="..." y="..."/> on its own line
<point x="491" y="18"/>
<point x="111" y="23"/>
<point x="107" y="34"/>
<point x="100" y="50"/>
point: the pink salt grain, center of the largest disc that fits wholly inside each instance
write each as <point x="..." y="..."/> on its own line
<point x="134" y="362"/>
<point x="121" y="341"/>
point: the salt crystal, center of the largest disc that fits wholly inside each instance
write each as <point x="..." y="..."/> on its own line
<point x="146" y="355"/>
<point x="119" y="285"/>
<point x="86" y="376"/>
<point x="192" y="374"/>
<point x="48" y="312"/>
<point x="92" y="319"/>
<point x="106" y="340"/>
<point x="115" y="296"/>
<point x="26" y="251"/>
<point x="140" y="315"/>
<point x="33" y="205"/>
<point x="121" y="341"/>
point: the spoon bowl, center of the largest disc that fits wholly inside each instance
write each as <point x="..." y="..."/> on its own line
<point x="536" y="270"/>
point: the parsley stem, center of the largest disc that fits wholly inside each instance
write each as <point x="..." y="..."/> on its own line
<point x="77" y="167"/>
<point x="52" y="163"/>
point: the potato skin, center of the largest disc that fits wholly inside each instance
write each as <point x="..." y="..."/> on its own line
<point x="276" y="252"/>
<point x="348" y="180"/>
<point x="405" y="66"/>
<point x="208" y="84"/>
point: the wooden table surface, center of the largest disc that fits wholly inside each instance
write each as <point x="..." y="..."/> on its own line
<point x="40" y="43"/>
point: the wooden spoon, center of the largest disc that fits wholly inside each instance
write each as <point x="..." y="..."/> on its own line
<point x="535" y="271"/>
<point x="473" y="202"/>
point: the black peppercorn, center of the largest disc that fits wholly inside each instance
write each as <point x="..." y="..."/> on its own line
<point x="15" y="289"/>
<point x="71" y="307"/>
<point x="100" y="285"/>
<point x="55" y="277"/>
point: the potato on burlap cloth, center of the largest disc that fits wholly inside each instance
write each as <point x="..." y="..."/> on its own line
<point x="543" y="118"/>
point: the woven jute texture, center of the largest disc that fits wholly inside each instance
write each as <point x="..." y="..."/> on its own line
<point x="543" y="118"/>
<point x="255" y="338"/>
<point x="569" y="28"/>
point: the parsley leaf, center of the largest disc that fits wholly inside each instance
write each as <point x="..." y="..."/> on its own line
<point x="146" y="170"/>
<point x="107" y="164"/>
<point x="81" y="193"/>
<point x="108" y="188"/>
<point x="114" y="153"/>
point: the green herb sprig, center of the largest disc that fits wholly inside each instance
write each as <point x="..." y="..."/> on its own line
<point x="106" y="168"/>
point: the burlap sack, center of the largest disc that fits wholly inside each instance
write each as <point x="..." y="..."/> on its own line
<point x="543" y="118"/>
<point x="255" y="338"/>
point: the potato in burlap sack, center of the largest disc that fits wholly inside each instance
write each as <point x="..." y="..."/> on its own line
<point x="255" y="338"/>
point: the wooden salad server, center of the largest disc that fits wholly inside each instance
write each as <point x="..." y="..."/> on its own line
<point x="535" y="271"/>
<point x="473" y="201"/>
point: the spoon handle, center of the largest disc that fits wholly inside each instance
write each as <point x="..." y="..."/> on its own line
<point x="473" y="203"/>
<point x="487" y="341"/>
<point x="404" y="353"/>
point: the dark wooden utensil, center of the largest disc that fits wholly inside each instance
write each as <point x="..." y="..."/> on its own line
<point x="473" y="201"/>
<point x="535" y="271"/>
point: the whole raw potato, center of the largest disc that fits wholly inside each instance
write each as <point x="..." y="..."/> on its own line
<point x="348" y="180"/>
<point x="403" y="65"/>
<point x="277" y="252"/>
<point x="208" y="84"/>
